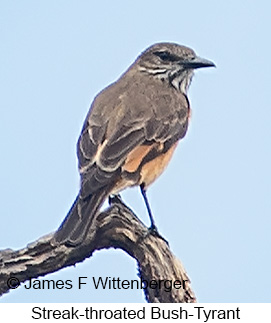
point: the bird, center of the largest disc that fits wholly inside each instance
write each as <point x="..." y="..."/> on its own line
<point x="131" y="132"/>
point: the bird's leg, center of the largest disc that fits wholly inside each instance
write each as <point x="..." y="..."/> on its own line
<point x="153" y="228"/>
<point x="143" y="192"/>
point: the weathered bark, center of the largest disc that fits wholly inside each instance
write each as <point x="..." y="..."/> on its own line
<point x="117" y="227"/>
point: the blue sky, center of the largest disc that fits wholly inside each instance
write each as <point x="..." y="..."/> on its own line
<point x="213" y="202"/>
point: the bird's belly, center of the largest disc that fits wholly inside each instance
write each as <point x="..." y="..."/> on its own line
<point x="154" y="168"/>
<point x="149" y="172"/>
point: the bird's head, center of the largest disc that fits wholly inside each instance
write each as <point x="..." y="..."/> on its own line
<point x="171" y="62"/>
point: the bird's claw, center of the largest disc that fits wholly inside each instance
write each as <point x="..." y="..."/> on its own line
<point x="154" y="231"/>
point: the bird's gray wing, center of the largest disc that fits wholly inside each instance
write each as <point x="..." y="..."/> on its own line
<point x="111" y="132"/>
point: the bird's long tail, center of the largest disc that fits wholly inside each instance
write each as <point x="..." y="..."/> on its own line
<point x="80" y="218"/>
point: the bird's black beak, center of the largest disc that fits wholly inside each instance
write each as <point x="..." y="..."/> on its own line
<point x="197" y="62"/>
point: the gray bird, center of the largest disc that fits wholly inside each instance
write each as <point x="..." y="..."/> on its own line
<point x="130" y="132"/>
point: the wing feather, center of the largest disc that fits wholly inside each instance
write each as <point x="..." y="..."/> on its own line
<point x="111" y="132"/>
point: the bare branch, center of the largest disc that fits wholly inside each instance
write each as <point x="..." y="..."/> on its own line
<point x="117" y="227"/>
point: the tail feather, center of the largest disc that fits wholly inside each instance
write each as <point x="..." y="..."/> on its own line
<point x="79" y="219"/>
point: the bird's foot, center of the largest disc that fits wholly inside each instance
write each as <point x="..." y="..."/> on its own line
<point x="116" y="198"/>
<point x="154" y="231"/>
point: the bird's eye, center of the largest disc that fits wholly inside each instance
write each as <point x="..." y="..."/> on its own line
<point x="166" y="56"/>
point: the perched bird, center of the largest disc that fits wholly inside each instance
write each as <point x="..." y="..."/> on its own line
<point x="131" y="131"/>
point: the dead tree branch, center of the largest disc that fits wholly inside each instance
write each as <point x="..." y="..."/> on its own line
<point x="117" y="227"/>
